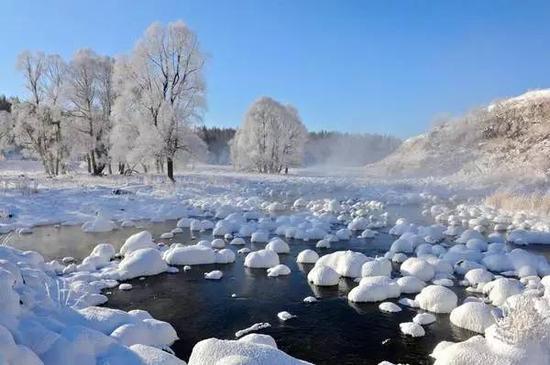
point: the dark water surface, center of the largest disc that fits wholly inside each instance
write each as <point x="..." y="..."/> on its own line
<point x="330" y="331"/>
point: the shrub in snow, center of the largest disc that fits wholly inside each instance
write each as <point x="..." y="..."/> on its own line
<point x="216" y="352"/>
<point x="424" y="319"/>
<point x="213" y="275"/>
<point x="474" y="316"/>
<point x="307" y="257"/>
<point x="262" y="259"/>
<point x="345" y="263"/>
<point x="521" y="337"/>
<point x="99" y="224"/>
<point x="143" y="262"/>
<point x="420" y="268"/>
<point x="412" y="329"/>
<point x="437" y="299"/>
<point x="323" y="276"/>
<point x="137" y="241"/>
<point x="477" y="276"/>
<point x="377" y="267"/>
<point x="48" y="331"/>
<point x="278" y="270"/>
<point x="389" y="307"/>
<point x="278" y="245"/>
<point x="410" y="284"/>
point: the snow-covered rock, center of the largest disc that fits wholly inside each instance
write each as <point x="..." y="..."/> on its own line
<point x="262" y="259"/>
<point x="307" y="257"/>
<point x="323" y="276"/>
<point x="345" y="263"/>
<point x="437" y="299"/>
<point x="412" y="329"/>
<point x="474" y="316"/>
<point x="278" y="270"/>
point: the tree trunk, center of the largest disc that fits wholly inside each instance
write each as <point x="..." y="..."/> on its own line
<point x="121" y="168"/>
<point x="89" y="163"/>
<point x="110" y="168"/>
<point x="170" y="168"/>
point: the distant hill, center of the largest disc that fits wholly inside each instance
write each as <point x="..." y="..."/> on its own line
<point x="509" y="136"/>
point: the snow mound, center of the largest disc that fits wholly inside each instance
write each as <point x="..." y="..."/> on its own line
<point x="420" y="268"/>
<point x="323" y="276"/>
<point x="307" y="257"/>
<point x="137" y="241"/>
<point x="230" y="352"/>
<point x="474" y="316"/>
<point x="437" y="299"/>
<point x="189" y="255"/>
<point x="424" y="319"/>
<point x="213" y="275"/>
<point x="377" y="267"/>
<point x="412" y="329"/>
<point x="278" y="270"/>
<point x="262" y="259"/>
<point x="142" y="262"/>
<point x="389" y="307"/>
<point x="278" y="245"/>
<point x="345" y="263"/>
<point x="410" y="284"/>
<point x="374" y="289"/>
<point x="99" y="224"/>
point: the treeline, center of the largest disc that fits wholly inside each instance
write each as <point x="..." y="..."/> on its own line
<point x="217" y="140"/>
<point x="321" y="148"/>
<point x="347" y="149"/>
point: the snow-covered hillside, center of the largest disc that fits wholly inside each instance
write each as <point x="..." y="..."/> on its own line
<point x="509" y="137"/>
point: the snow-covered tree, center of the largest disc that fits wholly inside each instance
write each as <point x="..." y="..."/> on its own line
<point x="89" y="95"/>
<point x="161" y="95"/>
<point x="6" y="131"/>
<point x="39" y="120"/>
<point x="271" y="138"/>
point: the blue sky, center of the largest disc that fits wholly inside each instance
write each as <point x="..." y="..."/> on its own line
<point x="366" y="66"/>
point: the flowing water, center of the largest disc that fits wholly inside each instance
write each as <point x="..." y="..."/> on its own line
<point x="330" y="331"/>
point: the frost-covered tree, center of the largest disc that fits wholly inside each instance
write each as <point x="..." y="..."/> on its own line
<point x="6" y="131"/>
<point x="89" y="95"/>
<point x="161" y="96"/>
<point x="39" y="120"/>
<point x="271" y="138"/>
